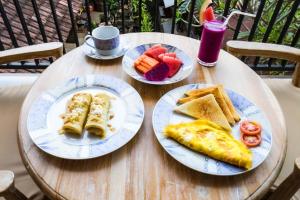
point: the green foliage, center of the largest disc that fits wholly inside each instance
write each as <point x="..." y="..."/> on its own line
<point x="186" y="4"/>
<point x="94" y="25"/>
<point x="146" y="20"/>
<point x="220" y="6"/>
<point x="134" y="4"/>
<point x="279" y="23"/>
<point x="178" y="16"/>
<point x="113" y="6"/>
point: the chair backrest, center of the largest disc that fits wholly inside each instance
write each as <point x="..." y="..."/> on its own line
<point x="289" y="186"/>
<point x="244" y="48"/>
<point x="44" y="50"/>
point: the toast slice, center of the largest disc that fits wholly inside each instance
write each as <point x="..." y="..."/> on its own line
<point x="197" y="92"/>
<point x="205" y="107"/>
<point x="218" y="94"/>
<point x="233" y="111"/>
<point x="194" y="94"/>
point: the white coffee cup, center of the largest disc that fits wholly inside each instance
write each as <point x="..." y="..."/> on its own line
<point x="106" y="40"/>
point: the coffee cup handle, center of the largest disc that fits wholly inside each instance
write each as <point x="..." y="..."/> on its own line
<point x="86" y="38"/>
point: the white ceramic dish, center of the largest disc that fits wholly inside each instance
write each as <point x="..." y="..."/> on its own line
<point x="92" y="53"/>
<point x="163" y="115"/>
<point x="44" y="121"/>
<point x="132" y="54"/>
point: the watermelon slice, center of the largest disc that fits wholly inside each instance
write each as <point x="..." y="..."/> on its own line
<point x="157" y="73"/>
<point x="174" y="65"/>
<point x="153" y="47"/>
<point x="209" y="14"/>
<point x="171" y="54"/>
<point x="154" y="53"/>
<point x="203" y="8"/>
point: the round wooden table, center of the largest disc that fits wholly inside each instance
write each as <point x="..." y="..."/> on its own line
<point x="142" y="169"/>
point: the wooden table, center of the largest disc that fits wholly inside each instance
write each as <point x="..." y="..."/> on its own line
<point x="142" y="169"/>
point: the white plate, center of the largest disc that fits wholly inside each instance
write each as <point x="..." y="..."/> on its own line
<point x="92" y="53"/>
<point x="132" y="54"/>
<point x="163" y="115"/>
<point x="44" y="121"/>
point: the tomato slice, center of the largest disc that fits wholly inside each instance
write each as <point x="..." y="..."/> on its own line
<point x="250" y="128"/>
<point x="251" y="140"/>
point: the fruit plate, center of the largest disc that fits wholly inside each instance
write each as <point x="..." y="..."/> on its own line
<point x="163" y="115"/>
<point x="44" y="118"/>
<point x="132" y="54"/>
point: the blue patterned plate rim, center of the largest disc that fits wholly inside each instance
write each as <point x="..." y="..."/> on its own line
<point x="47" y="138"/>
<point x="164" y="105"/>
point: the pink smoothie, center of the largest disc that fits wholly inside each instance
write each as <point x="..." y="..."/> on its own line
<point x="211" y="41"/>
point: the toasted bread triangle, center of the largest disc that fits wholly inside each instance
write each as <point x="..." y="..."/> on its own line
<point x="219" y="96"/>
<point x="233" y="111"/>
<point x="205" y="107"/>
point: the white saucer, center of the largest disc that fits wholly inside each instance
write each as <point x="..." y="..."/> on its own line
<point x="92" y="53"/>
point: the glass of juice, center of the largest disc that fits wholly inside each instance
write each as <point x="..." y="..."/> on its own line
<point x="211" y="41"/>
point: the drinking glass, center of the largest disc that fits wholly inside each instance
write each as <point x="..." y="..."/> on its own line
<point x="211" y="41"/>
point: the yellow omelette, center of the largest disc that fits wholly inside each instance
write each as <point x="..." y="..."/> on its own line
<point x="207" y="137"/>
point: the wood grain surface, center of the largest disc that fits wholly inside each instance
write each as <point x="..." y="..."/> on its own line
<point x="245" y="48"/>
<point x="142" y="169"/>
<point x="44" y="50"/>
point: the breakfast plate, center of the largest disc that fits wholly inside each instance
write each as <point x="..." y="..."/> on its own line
<point x="92" y="53"/>
<point x="133" y="54"/>
<point x="163" y="115"/>
<point x="44" y="120"/>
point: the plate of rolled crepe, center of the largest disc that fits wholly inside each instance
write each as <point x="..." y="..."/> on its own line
<point x="86" y="117"/>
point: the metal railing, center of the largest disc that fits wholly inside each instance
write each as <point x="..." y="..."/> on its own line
<point x="156" y="19"/>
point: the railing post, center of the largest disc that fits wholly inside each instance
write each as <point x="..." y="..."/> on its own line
<point x="227" y="7"/>
<point x="8" y="26"/>
<point x="256" y="20"/>
<point x="286" y="25"/>
<point x="240" y="20"/>
<point x="105" y="12"/>
<point x="255" y="23"/>
<point x="190" y="20"/>
<point x="270" y="26"/>
<point x="23" y="22"/>
<point x="52" y="6"/>
<point x="122" y="16"/>
<point x="87" y="8"/>
<point x="174" y="16"/>
<point x="24" y="26"/>
<point x="156" y="16"/>
<point x="73" y="22"/>
<point x="39" y="21"/>
<point x="140" y="15"/>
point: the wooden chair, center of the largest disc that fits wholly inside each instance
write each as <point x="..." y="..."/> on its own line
<point x="243" y="48"/>
<point x="13" y="89"/>
<point x="288" y="95"/>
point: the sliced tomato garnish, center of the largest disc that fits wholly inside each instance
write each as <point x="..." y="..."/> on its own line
<point x="250" y="128"/>
<point x="251" y="140"/>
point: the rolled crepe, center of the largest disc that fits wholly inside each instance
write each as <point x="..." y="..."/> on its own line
<point x="211" y="139"/>
<point x="98" y="115"/>
<point x="76" y="113"/>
